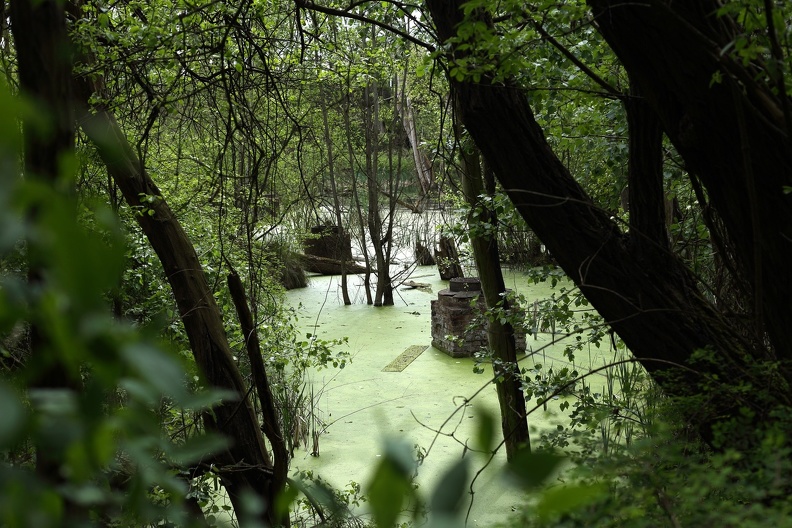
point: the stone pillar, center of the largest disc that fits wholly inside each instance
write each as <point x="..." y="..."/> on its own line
<point x="453" y="311"/>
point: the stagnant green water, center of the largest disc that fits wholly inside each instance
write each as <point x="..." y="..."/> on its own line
<point x="362" y="405"/>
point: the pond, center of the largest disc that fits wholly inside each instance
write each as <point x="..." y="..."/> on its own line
<point x="367" y="402"/>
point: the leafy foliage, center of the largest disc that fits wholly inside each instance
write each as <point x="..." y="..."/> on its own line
<point x="104" y="434"/>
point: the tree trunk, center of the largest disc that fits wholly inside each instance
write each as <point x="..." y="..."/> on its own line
<point x="500" y="335"/>
<point x="645" y="175"/>
<point x="271" y="423"/>
<point x="246" y="465"/>
<point x="356" y="200"/>
<point x="383" y="292"/>
<point x="330" y="266"/>
<point x="731" y="133"/>
<point x="336" y="202"/>
<point x="423" y="167"/>
<point x="447" y="258"/>
<point x="650" y="300"/>
<point x="40" y="41"/>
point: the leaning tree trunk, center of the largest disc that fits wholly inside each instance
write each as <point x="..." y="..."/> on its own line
<point x="246" y="466"/>
<point x="501" y="338"/>
<point x="730" y="128"/>
<point x="651" y="301"/>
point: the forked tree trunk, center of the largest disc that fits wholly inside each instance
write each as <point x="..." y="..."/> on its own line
<point x="383" y="292"/>
<point x="356" y="200"/>
<point x="650" y="300"/>
<point x="730" y="129"/>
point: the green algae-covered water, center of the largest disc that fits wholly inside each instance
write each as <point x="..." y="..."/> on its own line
<point x="430" y="401"/>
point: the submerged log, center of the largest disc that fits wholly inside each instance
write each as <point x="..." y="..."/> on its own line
<point x="329" y="266"/>
<point x="412" y="285"/>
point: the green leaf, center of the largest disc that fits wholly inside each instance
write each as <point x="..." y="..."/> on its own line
<point x="156" y="368"/>
<point x="448" y="495"/>
<point x="485" y="431"/>
<point x="391" y="485"/>
<point x="198" y="447"/>
<point x="400" y="453"/>
<point x="533" y="469"/>
<point x="563" y="499"/>
<point x="285" y="499"/>
<point x="207" y="398"/>
<point x="13" y="415"/>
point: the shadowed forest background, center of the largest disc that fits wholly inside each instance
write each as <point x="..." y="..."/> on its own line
<point x="169" y="169"/>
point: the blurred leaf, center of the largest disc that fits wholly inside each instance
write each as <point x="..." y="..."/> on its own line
<point x="387" y="494"/>
<point x="485" y="432"/>
<point x="562" y="499"/>
<point x="207" y="398"/>
<point x="138" y="390"/>
<point x="285" y="499"/>
<point x="252" y="507"/>
<point x="155" y="367"/>
<point x="13" y="415"/>
<point x="533" y="469"/>
<point x="449" y="492"/>
<point x="324" y="495"/>
<point x="197" y="447"/>
<point x="391" y="485"/>
<point x="400" y="453"/>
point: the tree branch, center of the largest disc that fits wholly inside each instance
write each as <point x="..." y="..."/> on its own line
<point x="311" y="6"/>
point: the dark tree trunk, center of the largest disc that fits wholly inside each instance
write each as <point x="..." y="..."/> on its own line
<point x="336" y="201"/>
<point x="650" y="300"/>
<point x="41" y="45"/>
<point x="731" y="134"/>
<point x="383" y="292"/>
<point x="358" y="206"/>
<point x="501" y="337"/>
<point x="271" y="424"/>
<point x="246" y="465"/>
<point x="645" y="175"/>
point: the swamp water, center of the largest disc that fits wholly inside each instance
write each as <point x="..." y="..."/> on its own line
<point x="385" y="393"/>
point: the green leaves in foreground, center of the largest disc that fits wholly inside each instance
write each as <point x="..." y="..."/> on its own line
<point x="88" y="399"/>
<point x="533" y="471"/>
<point x="448" y="496"/>
<point x="392" y="492"/>
<point x="391" y="488"/>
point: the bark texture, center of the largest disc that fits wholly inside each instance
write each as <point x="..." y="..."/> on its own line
<point x="508" y="385"/>
<point x="731" y="134"/>
<point x="645" y="175"/>
<point x="270" y="424"/>
<point x="648" y="298"/>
